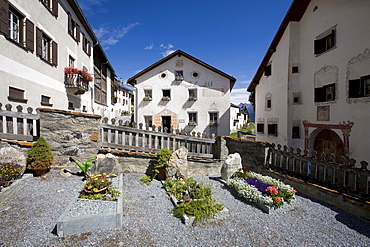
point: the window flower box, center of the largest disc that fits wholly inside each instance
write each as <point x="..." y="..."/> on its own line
<point x="166" y="98"/>
<point x="179" y="78"/>
<point x="213" y="124"/>
<point x="192" y="124"/>
<point x="192" y="98"/>
<point x="147" y="98"/>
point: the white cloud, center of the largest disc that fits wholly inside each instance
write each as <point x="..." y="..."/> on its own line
<point x="109" y="37"/>
<point x="165" y="47"/>
<point x="168" y="52"/>
<point x="149" y="47"/>
<point x="239" y="95"/>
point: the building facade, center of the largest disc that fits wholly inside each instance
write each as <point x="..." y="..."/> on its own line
<point x="312" y="88"/>
<point x="238" y="119"/>
<point x="50" y="57"/>
<point x="183" y="93"/>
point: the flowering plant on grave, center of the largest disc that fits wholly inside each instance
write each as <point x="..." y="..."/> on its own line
<point x="97" y="182"/>
<point x="9" y="172"/>
<point x="255" y="187"/>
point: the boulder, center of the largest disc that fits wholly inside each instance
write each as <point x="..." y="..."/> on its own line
<point x="105" y="163"/>
<point x="231" y="165"/>
<point x="177" y="166"/>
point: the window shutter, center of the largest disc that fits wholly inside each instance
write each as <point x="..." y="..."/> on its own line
<point x="319" y="46"/>
<point x="55" y="8"/>
<point x="70" y="28"/>
<point x="88" y="48"/>
<point x="4" y="10"/>
<point x="320" y="94"/>
<point x="55" y="53"/>
<point x="38" y="42"/>
<point x="30" y="43"/>
<point x="354" y="88"/>
<point x="78" y="33"/>
<point x="333" y="37"/>
<point x="83" y="42"/>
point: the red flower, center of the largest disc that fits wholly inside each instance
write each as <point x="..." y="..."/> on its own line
<point x="272" y="190"/>
<point x="277" y="199"/>
<point x="245" y="169"/>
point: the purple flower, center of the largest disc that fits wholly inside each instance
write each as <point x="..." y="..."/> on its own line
<point x="258" y="184"/>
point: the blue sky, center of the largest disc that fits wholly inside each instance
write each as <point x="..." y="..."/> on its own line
<point x="230" y="35"/>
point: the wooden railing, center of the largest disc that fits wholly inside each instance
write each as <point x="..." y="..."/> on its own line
<point x="321" y="169"/>
<point x="18" y="125"/>
<point x="126" y="138"/>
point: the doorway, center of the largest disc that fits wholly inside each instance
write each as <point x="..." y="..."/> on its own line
<point x="328" y="142"/>
<point x="166" y="123"/>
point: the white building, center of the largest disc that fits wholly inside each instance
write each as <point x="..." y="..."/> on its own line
<point x="312" y="88"/>
<point x="183" y="93"/>
<point x="238" y="119"/>
<point x="38" y="41"/>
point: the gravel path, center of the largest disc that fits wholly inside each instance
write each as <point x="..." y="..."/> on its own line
<point x="29" y="218"/>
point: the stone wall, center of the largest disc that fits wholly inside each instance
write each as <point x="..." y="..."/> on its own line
<point x="253" y="153"/>
<point x="69" y="133"/>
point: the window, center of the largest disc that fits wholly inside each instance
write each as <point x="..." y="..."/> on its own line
<point x="51" y="5"/>
<point x="86" y="45"/>
<point x="179" y="75"/>
<point x="272" y="129"/>
<point x="148" y="121"/>
<point x="73" y="28"/>
<point x="192" y="94"/>
<point x="325" y="93"/>
<point x="295" y="132"/>
<point x="360" y="87"/>
<point x="166" y="94"/>
<point x="100" y="85"/>
<point x="295" y="69"/>
<point x="70" y="106"/>
<point x="15" y="27"/>
<point x="71" y="61"/>
<point x="16" y="95"/>
<point x="84" y="108"/>
<point x="147" y="94"/>
<point x="268" y="103"/>
<point x="45" y="100"/>
<point x="46" y="49"/>
<point x="260" y="128"/>
<point x="325" y="42"/>
<point x="192" y="118"/>
<point x="268" y="70"/>
<point x="213" y="117"/>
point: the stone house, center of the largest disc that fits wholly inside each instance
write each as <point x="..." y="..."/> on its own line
<point x="183" y="93"/>
<point x="312" y="88"/>
<point x="237" y="118"/>
<point x="39" y="41"/>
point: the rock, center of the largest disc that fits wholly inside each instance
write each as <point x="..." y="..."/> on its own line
<point x="177" y="166"/>
<point x="105" y="163"/>
<point x="231" y="165"/>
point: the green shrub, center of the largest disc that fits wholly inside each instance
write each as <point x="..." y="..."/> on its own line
<point x="40" y="156"/>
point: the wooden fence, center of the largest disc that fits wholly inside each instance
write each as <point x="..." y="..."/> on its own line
<point x="149" y="140"/>
<point x="19" y="125"/>
<point x="321" y="169"/>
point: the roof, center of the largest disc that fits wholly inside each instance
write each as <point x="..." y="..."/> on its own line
<point x="295" y="13"/>
<point x="179" y="53"/>
<point x="233" y="105"/>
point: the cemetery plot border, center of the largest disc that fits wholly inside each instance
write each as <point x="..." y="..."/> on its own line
<point x="83" y="215"/>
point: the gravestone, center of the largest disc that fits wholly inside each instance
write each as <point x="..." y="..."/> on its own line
<point x="14" y="156"/>
<point x="105" y="163"/>
<point x="231" y="165"/>
<point x="177" y="166"/>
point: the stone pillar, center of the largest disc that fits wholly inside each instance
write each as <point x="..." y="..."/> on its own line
<point x="346" y="134"/>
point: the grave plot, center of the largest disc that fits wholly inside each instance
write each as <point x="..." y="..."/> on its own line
<point x="270" y="195"/>
<point x="193" y="203"/>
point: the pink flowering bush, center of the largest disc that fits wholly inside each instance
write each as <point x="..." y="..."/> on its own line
<point x="71" y="70"/>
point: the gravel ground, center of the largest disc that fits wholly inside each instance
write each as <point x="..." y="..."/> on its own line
<point x="29" y="218"/>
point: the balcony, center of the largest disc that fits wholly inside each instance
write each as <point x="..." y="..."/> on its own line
<point x="75" y="84"/>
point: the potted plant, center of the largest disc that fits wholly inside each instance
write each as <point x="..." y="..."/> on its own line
<point x="159" y="167"/>
<point x="40" y="157"/>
